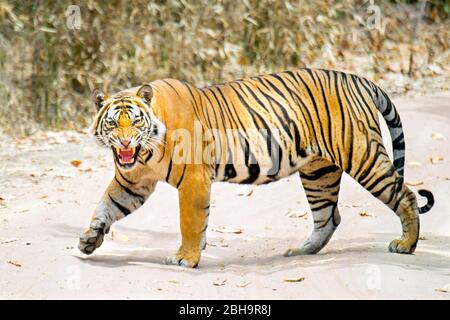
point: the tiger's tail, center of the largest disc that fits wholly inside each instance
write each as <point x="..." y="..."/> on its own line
<point x="392" y="118"/>
<point x="430" y="200"/>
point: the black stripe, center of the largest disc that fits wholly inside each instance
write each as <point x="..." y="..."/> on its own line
<point x="256" y="117"/>
<point x="224" y="117"/>
<point x="218" y="151"/>
<point x="330" y="123"/>
<point x="399" y="142"/>
<point x="325" y="223"/>
<point x="341" y="109"/>
<point x="398" y="163"/>
<point x="123" y="178"/>
<point x="171" y="87"/>
<point x="182" y="176"/>
<point x="319" y="173"/>
<point x="287" y="119"/>
<point x="194" y="102"/>
<point x="122" y="209"/>
<point x="169" y="170"/>
<point x="253" y="172"/>
<point x="366" y="109"/>
<point x="150" y="154"/>
<point x="316" y="110"/>
<point x="230" y="171"/>
<point x="430" y="200"/>
<point x="140" y="198"/>
<point x="311" y="192"/>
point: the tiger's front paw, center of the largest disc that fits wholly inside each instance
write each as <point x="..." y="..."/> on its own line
<point x="189" y="259"/>
<point x="92" y="238"/>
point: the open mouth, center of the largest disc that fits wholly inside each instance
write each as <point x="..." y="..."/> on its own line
<point x="126" y="157"/>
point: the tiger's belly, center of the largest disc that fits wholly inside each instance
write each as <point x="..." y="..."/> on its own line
<point x="259" y="172"/>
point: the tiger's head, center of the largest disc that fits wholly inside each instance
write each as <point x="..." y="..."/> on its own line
<point x="126" y="123"/>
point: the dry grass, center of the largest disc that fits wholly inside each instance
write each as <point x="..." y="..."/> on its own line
<point x="48" y="70"/>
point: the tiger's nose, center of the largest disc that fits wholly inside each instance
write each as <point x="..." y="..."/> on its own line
<point x="125" y="142"/>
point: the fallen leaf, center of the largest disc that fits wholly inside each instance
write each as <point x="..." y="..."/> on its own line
<point x="65" y="175"/>
<point x="224" y="229"/>
<point x="244" y="191"/>
<point x="445" y="288"/>
<point x="76" y="163"/>
<point x="36" y="175"/>
<point x="414" y="164"/>
<point x="414" y="183"/>
<point x="14" y="263"/>
<point x="119" y="237"/>
<point x="437" y="136"/>
<point x="297" y="214"/>
<point x="9" y="240"/>
<point x="435" y="159"/>
<point x="436" y="69"/>
<point x="242" y="285"/>
<point x="44" y="197"/>
<point x="295" y="280"/>
<point x="365" y="213"/>
<point x="219" y="243"/>
<point x="422" y="238"/>
<point x="6" y="198"/>
<point x="41" y="148"/>
<point x="351" y="205"/>
<point x="85" y="169"/>
<point x="219" y="282"/>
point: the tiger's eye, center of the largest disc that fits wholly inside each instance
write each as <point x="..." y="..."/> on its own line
<point x="111" y="123"/>
<point x="137" y="121"/>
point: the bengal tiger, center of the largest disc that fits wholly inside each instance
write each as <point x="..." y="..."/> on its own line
<point x="318" y="123"/>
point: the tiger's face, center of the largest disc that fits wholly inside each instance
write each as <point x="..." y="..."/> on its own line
<point x="126" y="124"/>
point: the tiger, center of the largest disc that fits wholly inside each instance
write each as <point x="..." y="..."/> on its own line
<point x="313" y="122"/>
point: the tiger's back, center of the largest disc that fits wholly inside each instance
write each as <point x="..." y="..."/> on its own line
<point x="280" y="121"/>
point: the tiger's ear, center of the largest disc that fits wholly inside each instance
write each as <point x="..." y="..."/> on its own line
<point x="145" y="92"/>
<point x="98" y="97"/>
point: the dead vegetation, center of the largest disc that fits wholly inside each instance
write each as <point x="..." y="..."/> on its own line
<point x="48" y="68"/>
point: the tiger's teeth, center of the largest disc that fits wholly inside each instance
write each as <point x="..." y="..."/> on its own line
<point x="132" y="149"/>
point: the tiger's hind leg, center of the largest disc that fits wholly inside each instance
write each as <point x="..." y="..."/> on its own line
<point x="321" y="180"/>
<point x="387" y="185"/>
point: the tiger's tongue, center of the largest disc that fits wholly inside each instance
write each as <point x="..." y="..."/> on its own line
<point x="126" y="155"/>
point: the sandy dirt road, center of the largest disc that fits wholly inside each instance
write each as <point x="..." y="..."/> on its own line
<point x="47" y="203"/>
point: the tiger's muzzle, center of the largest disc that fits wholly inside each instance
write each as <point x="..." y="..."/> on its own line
<point x="126" y="157"/>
